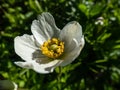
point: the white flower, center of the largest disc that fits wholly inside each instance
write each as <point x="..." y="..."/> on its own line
<point x="99" y="21"/>
<point x="49" y="46"/>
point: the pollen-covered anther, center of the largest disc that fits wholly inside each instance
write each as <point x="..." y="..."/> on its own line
<point x="53" y="48"/>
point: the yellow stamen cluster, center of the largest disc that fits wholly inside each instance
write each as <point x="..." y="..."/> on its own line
<point x="52" y="48"/>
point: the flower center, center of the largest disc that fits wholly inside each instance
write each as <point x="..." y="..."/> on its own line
<point x="52" y="48"/>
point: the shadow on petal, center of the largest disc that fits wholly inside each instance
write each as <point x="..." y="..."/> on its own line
<point x="43" y="60"/>
<point x="37" y="54"/>
<point x="49" y="69"/>
<point x="40" y="58"/>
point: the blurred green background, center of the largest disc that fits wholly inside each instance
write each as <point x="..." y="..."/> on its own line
<point x="98" y="65"/>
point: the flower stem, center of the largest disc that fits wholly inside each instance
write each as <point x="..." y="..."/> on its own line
<point x="59" y="79"/>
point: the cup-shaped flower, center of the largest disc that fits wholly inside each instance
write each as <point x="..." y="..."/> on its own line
<point x="49" y="46"/>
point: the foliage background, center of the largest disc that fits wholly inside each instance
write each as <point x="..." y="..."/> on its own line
<point x="98" y="65"/>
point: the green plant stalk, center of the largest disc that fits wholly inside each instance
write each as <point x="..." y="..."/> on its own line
<point x="59" y="78"/>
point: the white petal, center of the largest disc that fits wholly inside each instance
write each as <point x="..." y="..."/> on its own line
<point x="71" y="47"/>
<point x="15" y="86"/>
<point x="50" y="20"/>
<point x="40" y="68"/>
<point x="70" y="31"/>
<point x="72" y="55"/>
<point x="47" y="67"/>
<point x="27" y="65"/>
<point x="44" y="28"/>
<point x="25" y="46"/>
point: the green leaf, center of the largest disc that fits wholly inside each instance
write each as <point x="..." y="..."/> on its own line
<point x="104" y="36"/>
<point x="34" y="4"/>
<point x="116" y="47"/>
<point x="101" y="61"/>
<point x="84" y="9"/>
<point x="96" y="9"/>
<point x="10" y="17"/>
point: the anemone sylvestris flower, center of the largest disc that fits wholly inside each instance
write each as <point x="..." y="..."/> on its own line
<point x="49" y="46"/>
